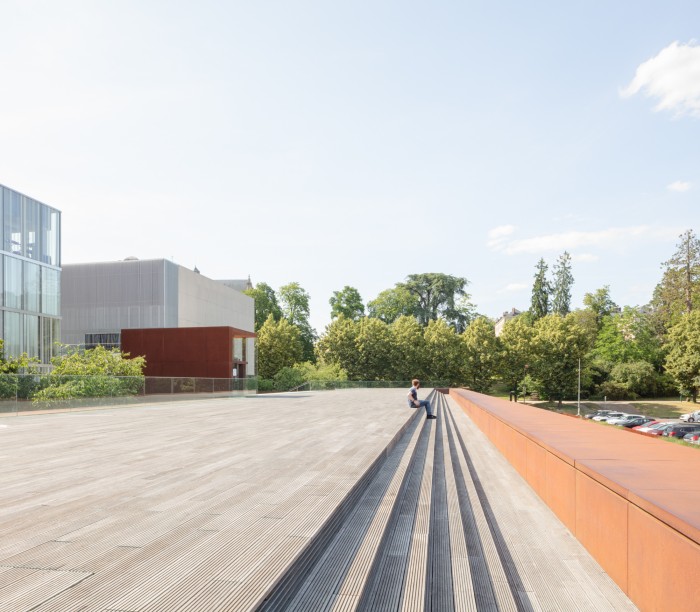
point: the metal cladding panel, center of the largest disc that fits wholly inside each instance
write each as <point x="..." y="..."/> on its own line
<point x="108" y="297"/>
<point x="184" y="351"/>
<point x="205" y="302"/>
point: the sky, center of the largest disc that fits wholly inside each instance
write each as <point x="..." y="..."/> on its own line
<point x="355" y="143"/>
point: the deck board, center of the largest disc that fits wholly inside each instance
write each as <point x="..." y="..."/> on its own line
<point x="203" y="506"/>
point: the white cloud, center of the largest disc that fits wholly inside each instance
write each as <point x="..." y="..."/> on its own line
<point x="679" y="186"/>
<point x="571" y="241"/>
<point x="584" y="257"/>
<point x="498" y="236"/>
<point x="672" y="77"/>
<point x="513" y="288"/>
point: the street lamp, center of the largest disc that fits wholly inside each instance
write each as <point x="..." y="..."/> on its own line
<point x="578" y="399"/>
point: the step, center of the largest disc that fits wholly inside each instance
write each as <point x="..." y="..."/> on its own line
<point x="413" y="541"/>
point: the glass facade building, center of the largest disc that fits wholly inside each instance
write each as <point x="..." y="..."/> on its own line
<point x="30" y="276"/>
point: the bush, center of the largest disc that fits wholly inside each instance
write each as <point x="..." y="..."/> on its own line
<point x="616" y="391"/>
<point x="288" y="378"/>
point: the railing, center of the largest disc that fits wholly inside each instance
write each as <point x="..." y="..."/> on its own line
<point x="21" y="393"/>
<point x="332" y="385"/>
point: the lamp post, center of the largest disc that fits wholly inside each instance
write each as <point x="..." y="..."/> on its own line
<point x="578" y="397"/>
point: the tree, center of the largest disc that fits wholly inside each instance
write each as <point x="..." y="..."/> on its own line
<point x="557" y="346"/>
<point x="265" y="303"/>
<point x="437" y="296"/>
<point x="481" y="349"/>
<point x="348" y="303"/>
<point x="515" y="357"/>
<point x="683" y="360"/>
<point x="337" y="346"/>
<point x="373" y="345"/>
<point x="294" y="301"/>
<point x="539" y="303"/>
<point x="97" y="372"/>
<point x="279" y="345"/>
<point x="629" y="336"/>
<point x="409" y="353"/>
<point x="444" y="353"/>
<point x="391" y="304"/>
<point x="678" y="292"/>
<point x="639" y="378"/>
<point x="563" y="281"/>
<point x="13" y="364"/>
<point x="600" y="304"/>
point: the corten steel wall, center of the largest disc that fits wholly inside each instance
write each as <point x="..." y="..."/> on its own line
<point x="633" y="501"/>
<point x="202" y="352"/>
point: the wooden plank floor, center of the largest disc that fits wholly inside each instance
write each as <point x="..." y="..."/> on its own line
<point x="203" y="506"/>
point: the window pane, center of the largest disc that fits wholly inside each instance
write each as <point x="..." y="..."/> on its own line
<point x="31" y="286"/>
<point x="32" y="224"/>
<point x="13" y="334"/>
<point x="31" y="335"/>
<point x="50" y="244"/>
<point x="12" y="206"/>
<point x="13" y="282"/>
<point x="50" y="294"/>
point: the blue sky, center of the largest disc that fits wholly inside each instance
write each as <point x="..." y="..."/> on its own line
<point x="355" y="143"/>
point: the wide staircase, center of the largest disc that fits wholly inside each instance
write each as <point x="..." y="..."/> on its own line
<point x="419" y="534"/>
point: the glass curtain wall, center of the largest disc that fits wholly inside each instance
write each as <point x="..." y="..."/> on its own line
<point x="30" y="276"/>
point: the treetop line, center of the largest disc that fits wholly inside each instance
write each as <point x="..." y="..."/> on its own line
<point x="426" y="326"/>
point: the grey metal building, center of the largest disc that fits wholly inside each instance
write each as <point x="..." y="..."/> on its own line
<point x="98" y="300"/>
<point x="30" y="276"/>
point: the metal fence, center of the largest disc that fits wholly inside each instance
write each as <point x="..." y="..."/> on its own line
<point x="23" y="393"/>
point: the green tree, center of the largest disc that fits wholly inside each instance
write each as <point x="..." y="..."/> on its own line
<point x="374" y="347"/>
<point x="515" y="357"/>
<point x="539" y="302"/>
<point x="683" y="360"/>
<point x="265" y="303"/>
<point x="481" y="353"/>
<point x="444" y="353"/>
<point x="347" y="302"/>
<point x="294" y="301"/>
<point x="391" y="304"/>
<point x="279" y="345"/>
<point x="629" y="336"/>
<point x="561" y="287"/>
<point x="437" y="296"/>
<point x="557" y="346"/>
<point x="97" y="372"/>
<point x="337" y="346"/>
<point x="409" y="353"/>
<point x="12" y="364"/>
<point x="678" y="292"/>
<point x="639" y="378"/>
<point x="600" y="303"/>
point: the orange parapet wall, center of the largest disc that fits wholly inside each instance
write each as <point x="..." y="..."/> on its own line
<point x="632" y="501"/>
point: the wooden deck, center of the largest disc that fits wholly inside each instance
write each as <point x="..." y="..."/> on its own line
<point x="311" y="501"/>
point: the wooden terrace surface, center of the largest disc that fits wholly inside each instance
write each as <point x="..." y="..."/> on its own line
<point x="309" y="501"/>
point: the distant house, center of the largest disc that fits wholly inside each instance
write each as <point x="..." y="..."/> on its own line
<point x="507" y="316"/>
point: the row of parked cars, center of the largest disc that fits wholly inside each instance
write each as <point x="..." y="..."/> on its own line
<point x="687" y="428"/>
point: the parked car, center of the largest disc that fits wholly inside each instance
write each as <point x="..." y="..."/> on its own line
<point x="590" y="415"/>
<point x="623" y="419"/>
<point x="609" y="415"/>
<point x="645" y="427"/>
<point x="636" y="421"/>
<point x="691" y="417"/>
<point x="658" y="430"/>
<point x="681" y="429"/>
<point x="693" y="437"/>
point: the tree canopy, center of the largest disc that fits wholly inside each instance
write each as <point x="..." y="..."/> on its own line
<point x="438" y="297"/>
<point x="347" y="302"/>
<point x="539" y="302"/>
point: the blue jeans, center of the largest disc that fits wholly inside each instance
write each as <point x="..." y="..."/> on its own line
<point x="426" y="404"/>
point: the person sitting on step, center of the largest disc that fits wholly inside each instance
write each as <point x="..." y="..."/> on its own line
<point x="414" y="402"/>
